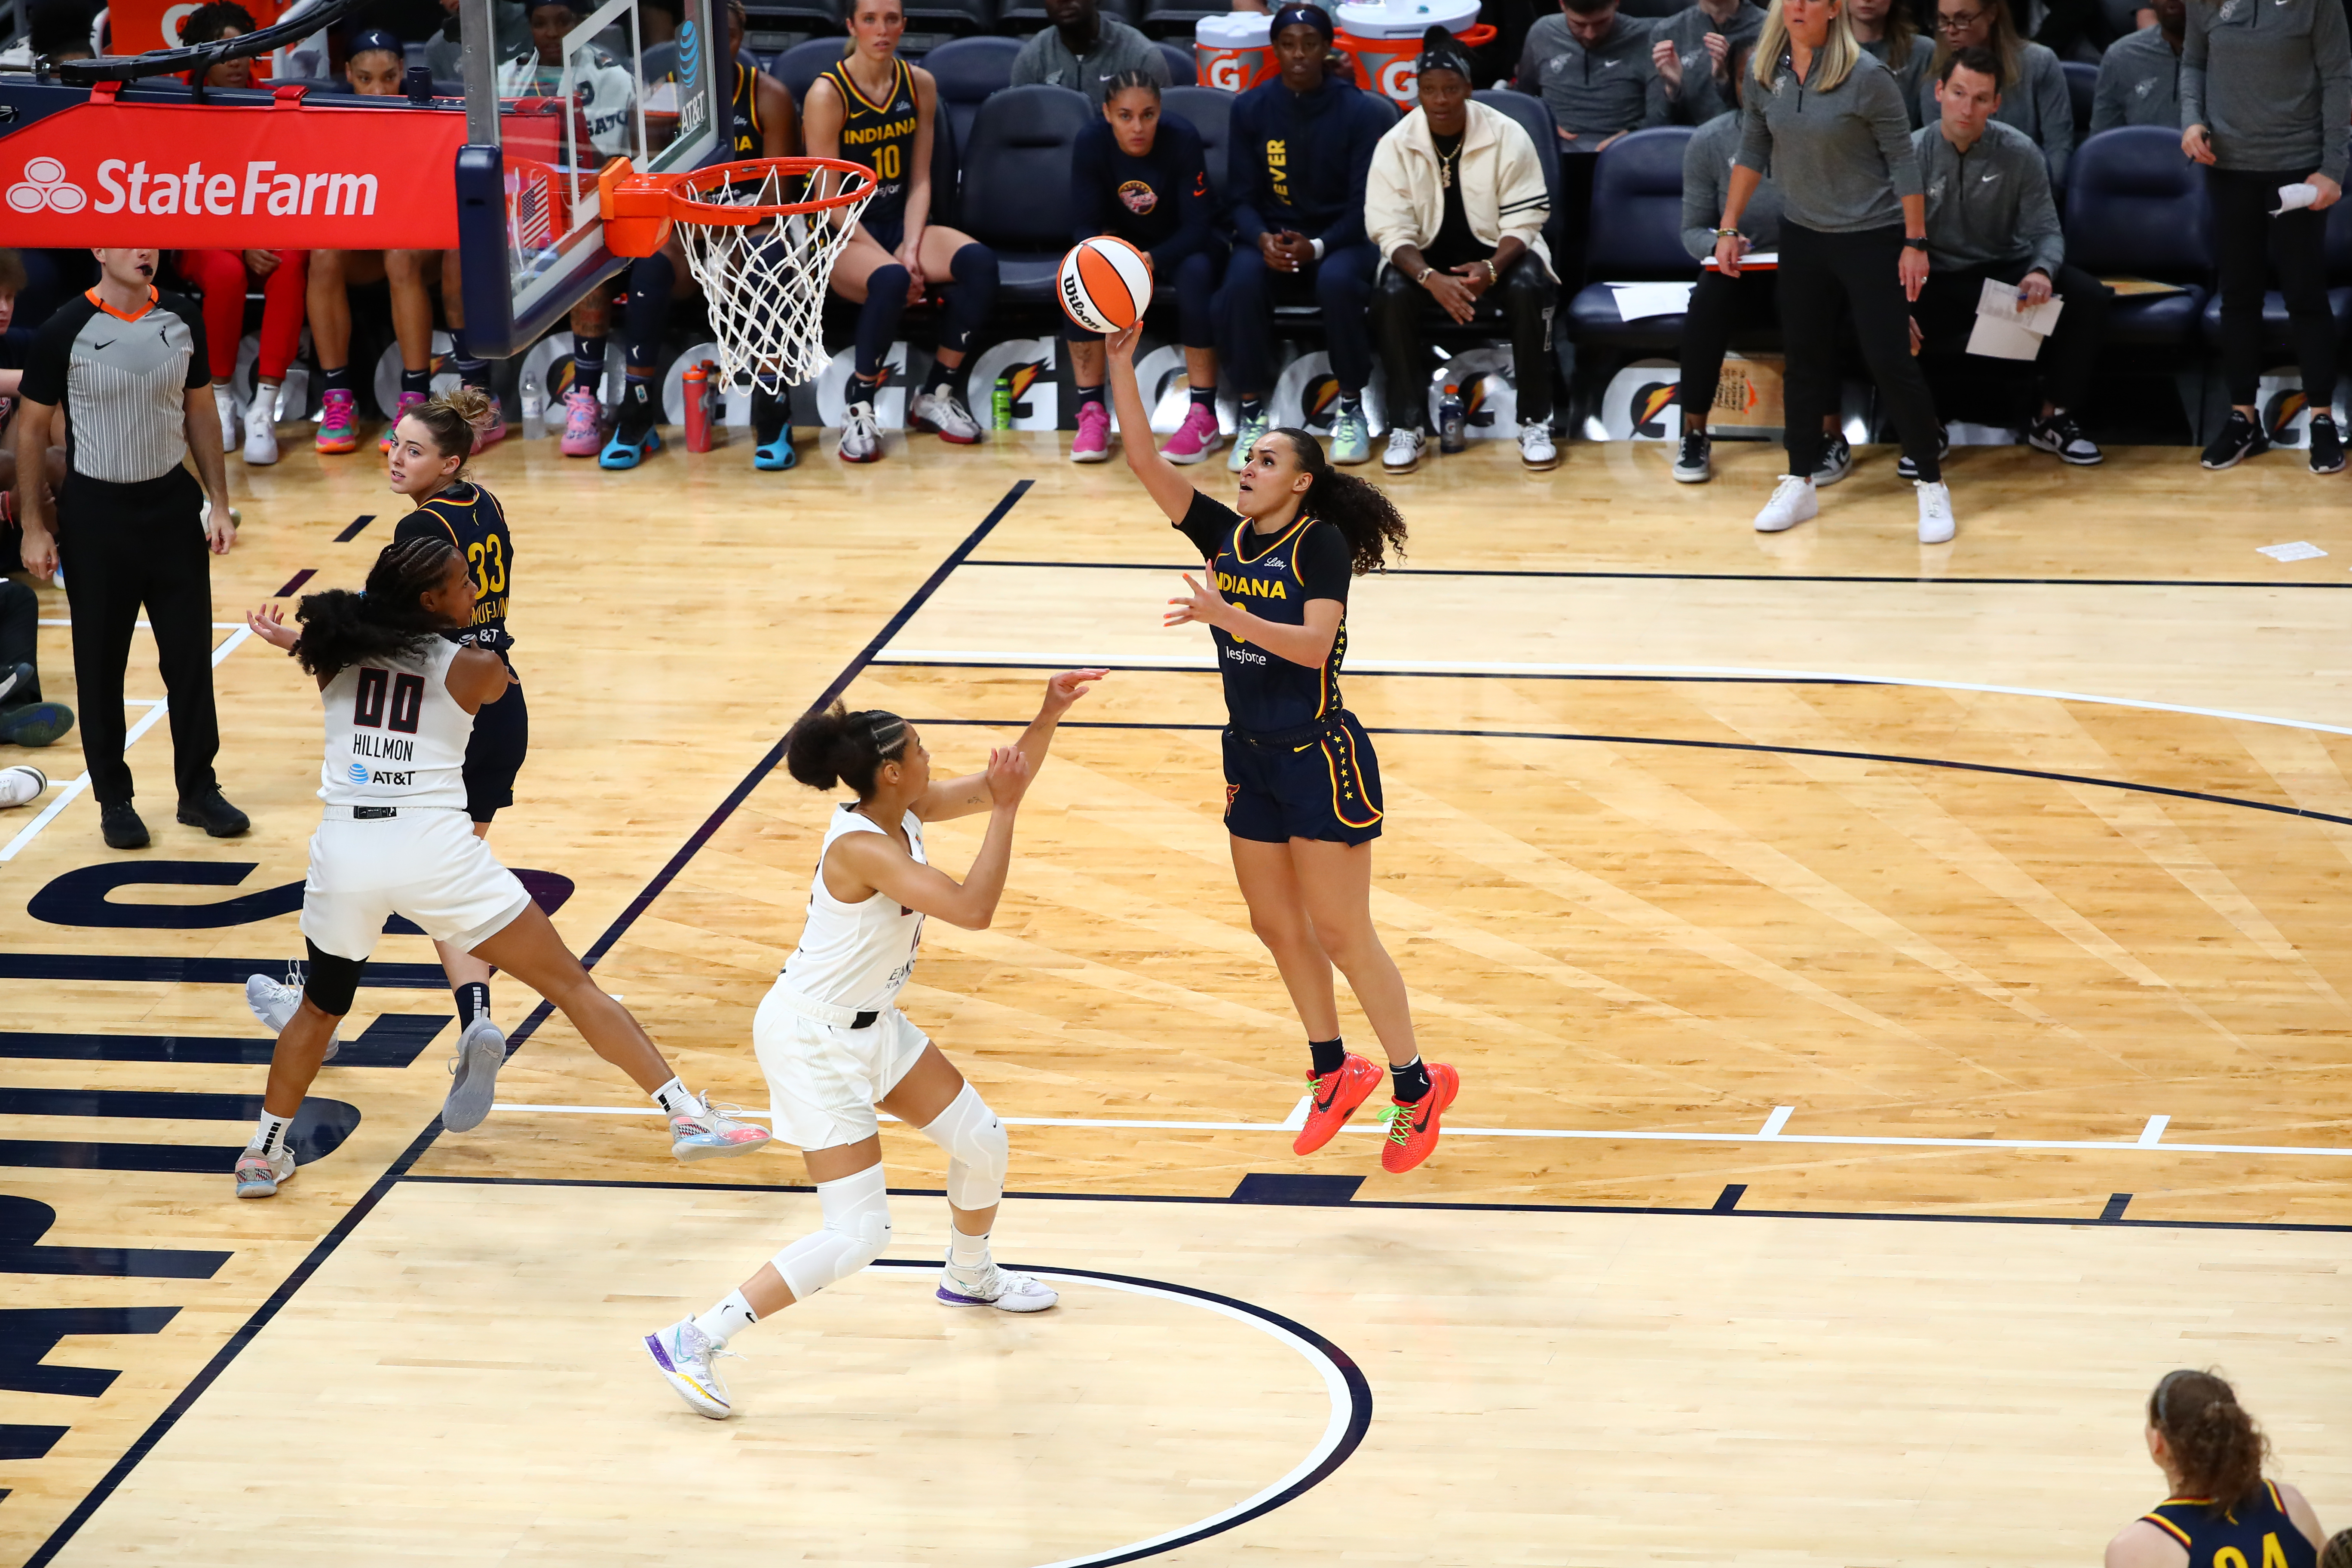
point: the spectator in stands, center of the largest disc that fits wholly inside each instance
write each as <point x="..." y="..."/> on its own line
<point x="1086" y="50"/>
<point x="1455" y="201"/>
<point x="445" y="52"/>
<point x="874" y="106"/>
<point x="2033" y="96"/>
<point x="1990" y="219"/>
<point x="1887" y="34"/>
<point x="1853" y="240"/>
<point x="222" y="277"/>
<point x="1691" y="51"/>
<point x="2266" y="90"/>
<point x="1302" y="146"/>
<point x="2139" y="75"/>
<point x="1594" y="71"/>
<point x="1141" y="175"/>
<point x="59" y="31"/>
<point x="2218" y="1505"/>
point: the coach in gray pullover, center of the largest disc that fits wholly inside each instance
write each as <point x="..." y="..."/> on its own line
<point x="1592" y="68"/>
<point x="1692" y="51"/>
<point x="1988" y="201"/>
<point x="1843" y="158"/>
<point x="2139" y="75"/>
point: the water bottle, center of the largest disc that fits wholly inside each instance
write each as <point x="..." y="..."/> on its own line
<point x="698" y="422"/>
<point x="1451" y="419"/>
<point x="534" y="406"/>
<point x="1000" y="404"/>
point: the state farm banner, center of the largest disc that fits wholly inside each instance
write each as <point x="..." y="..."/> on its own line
<point x="278" y="177"/>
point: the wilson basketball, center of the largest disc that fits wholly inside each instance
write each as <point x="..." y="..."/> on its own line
<point x="1105" y="284"/>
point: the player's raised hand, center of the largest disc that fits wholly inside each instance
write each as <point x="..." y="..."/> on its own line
<point x="1204" y="605"/>
<point x="269" y="623"/>
<point x="1120" y="345"/>
<point x="1067" y="688"/>
<point x="1008" y="777"/>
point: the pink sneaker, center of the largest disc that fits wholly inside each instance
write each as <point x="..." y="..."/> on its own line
<point x="408" y="400"/>
<point x="1196" y="437"/>
<point x="1092" y="442"/>
<point x="492" y="431"/>
<point x="337" y="417"/>
<point x="583" y="424"/>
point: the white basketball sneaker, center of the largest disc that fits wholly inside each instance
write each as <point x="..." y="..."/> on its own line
<point x="21" y="785"/>
<point x="1935" y="524"/>
<point x="232" y="420"/>
<point x="709" y="1133"/>
<point x="861" y="437"/>
<point x="273" y="1004"/>
<point x="944" y="413"/>
<point x="261" y="428"/>
<point x="259" y="1176"/>
<point x="682" y="1354"/>
<point x="1792" y="502"/>
<point x="1403" y="453"/>
<point x="989" y="1286"/>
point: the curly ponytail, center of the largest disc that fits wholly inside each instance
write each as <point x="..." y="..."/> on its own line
<point x="1360" y="511"/>
<point x="2214" y="1443"/>
<point x="832" y="745"/>
<point x="384" y="622"/>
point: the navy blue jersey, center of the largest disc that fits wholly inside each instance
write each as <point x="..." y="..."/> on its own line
<point x="470" y="517"/>
<point x="1273" y="575"/>
<point x="880" y="135"/>
<point x="2254" y="1534"/>
<point x="1159" y="203"/>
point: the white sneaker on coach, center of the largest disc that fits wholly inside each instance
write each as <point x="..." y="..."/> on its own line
<point x="682" y="1354"/>
<point x="1536" y="448"/>
<point x="261" y="428"/>
<point x="989" y="1286"/>
<point x="1402" y="454"/>
<point x="1935" y="524"/>
<point x="1792" y="502"/>
<point x="21" y="785"/>
<point x="231" y="418"/>
<point x="861" y="438"/>
<point x="273" y="1004"/>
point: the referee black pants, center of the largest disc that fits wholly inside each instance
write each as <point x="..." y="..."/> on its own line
<point x="124" y="548"/>
<point x="1822" y="276"/>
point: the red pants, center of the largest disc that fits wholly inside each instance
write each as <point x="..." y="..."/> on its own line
<point x="220" y="276"/>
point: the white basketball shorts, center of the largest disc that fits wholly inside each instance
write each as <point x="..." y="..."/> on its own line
<point x="822" y="1081"/>
<point x="425" y="864"/>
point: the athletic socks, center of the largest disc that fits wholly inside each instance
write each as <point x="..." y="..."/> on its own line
<point x="967" y="1253"/>
<point x="1205" y="397"/>
<point x="727" y="1320"/>
<point x="940" y="375"/>
<point x="471" y="371"/>
<point x="1351" y="404"/>
<point x="588" y="363"/>
<point x="862" y="388"/>
<point x="673" y="1097"/>
<point x="1412" y="1081"/>
<point x="416" y="382"/>
<point x="340" y="379"/>
<point x="473" y="1002"/>
<point x="1330" y="1056"/>
<point x="877" y="319"/>
<point x="270" y="1140"/>
<point x="1253" y="408"/>
<point x="1089" y="395"/>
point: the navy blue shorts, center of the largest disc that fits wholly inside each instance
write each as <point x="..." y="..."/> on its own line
<point x="494" y="755"/>
<point x="1322" y="781"/>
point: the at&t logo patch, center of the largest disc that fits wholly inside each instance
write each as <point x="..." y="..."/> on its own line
<point x="45" y="188"/>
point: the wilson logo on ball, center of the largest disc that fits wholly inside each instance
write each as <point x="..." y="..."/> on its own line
<point x="1103" y="284"/>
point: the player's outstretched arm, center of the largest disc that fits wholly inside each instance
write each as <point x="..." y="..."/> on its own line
<point x="1172" y="489"/>
<point x="962" y="796"/>
<point x="875" y="860"/>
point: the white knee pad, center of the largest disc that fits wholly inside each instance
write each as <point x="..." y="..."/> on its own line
<point x="857" y="1229"/>
<point x="978" y="1150"/>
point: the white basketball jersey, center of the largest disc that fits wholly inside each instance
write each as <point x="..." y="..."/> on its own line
<point x="855" y="956"/>
<point x="395" y="735"/>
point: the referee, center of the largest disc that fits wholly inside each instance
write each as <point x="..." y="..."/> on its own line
<point x="127" y="362"/>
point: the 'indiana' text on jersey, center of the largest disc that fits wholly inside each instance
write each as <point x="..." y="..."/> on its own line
<point x="1264" y="691"/>
<point x="880" y="135"/>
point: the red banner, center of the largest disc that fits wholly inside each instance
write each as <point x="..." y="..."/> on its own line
<point x="215" y="177"/>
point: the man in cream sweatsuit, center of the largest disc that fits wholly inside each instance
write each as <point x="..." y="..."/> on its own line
<point x="1456" y="203"/>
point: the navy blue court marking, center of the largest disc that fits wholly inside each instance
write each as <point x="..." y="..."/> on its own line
<point x="353" y="531"/>
<point x="296" y="581"/>
<point x="1354" y="675"/>
<point x="138" y="969"/>
<point x="383" y="1184"/>
<point x="1722" y="577"/>
<point x="393" y="1040"/>
<point x="23" y="1221"/>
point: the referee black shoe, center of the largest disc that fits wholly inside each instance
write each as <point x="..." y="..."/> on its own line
<point x="2241" y="438"/>
<point x="211" y="812"/>
<point x="121" y="826"/>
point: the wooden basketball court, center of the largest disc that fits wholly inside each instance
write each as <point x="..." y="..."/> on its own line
<point x="1900" y="993"/>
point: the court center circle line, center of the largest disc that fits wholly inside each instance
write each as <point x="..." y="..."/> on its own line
<point x="1343" y="1381"/>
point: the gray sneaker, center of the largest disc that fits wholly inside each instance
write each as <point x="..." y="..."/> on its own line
<point x="474" y="1074"/>
<point x="1244" y="440"/>
<point x="1351" y="439"/>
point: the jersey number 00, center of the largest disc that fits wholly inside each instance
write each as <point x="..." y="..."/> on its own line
<point x="407" y="700"/>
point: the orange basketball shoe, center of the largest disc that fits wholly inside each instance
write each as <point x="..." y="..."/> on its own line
<point x="1333" y="1099"/>
<point x="1412" y="1128"/>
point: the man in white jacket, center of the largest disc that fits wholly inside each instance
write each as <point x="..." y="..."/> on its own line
<point x="1457" y="204"/>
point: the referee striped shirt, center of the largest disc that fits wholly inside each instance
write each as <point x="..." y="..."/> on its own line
<point x="123" y="379"/>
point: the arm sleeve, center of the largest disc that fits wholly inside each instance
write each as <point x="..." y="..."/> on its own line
<point x="1366" y="125"/>
<point x="2037" y="221"/>
<point x="2055" y="108"/>
<point x="1196" y="210"/>
<point x="1702" y="203"/>
<point x="46" y="366"/>
<point x="1088" y="176"/>
<point x="1882" y="104"/>
<point x="2108" y="100"/>
<point x="1755" y="133"/>
<point x="2331" y="48"/>
<point x="2192" y="68"/>
<point x="1326" y="564"/>
<point x="1245" y="171"/>
<point x="1207" y="523"/>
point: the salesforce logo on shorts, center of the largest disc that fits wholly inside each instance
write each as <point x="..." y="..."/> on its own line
<point x="359" y="773"/>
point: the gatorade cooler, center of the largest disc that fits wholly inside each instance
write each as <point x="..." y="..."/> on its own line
<point x="1233" y="51"/>
<point x="1385" y="38"/>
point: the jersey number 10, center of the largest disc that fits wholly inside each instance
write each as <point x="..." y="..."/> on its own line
<point x="407" y="700"/>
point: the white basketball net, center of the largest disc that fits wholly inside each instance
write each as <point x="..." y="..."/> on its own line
<point x="764" y="283"/>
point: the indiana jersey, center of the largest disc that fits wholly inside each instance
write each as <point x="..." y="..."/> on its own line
<point x="880" y="135"/>
<point x="1272" y="576"/>
<point x="395" y="735"/>
<point x="858" y="955"/>
<point x="749" y="142"/>
<point x="470" y="517"/>
<point x="2254" y="1534"/>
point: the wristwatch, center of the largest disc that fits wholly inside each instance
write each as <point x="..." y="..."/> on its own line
<point x="1918" y="244"/>
<point x="1727" y="234"/>
<point x="1426" y="274"/>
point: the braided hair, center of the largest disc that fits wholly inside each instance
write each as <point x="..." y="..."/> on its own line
<point x="381" y="624"/>
<point x="833" y="745"/>
<point x="1128" y="79"/>
<point x="2214" y="1441"/>
<point x="1361" y="511"/>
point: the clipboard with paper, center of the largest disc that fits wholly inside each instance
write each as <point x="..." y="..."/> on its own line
<point x="2008" y="330"/>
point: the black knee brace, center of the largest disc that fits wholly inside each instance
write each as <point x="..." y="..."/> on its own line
<point x="333" y="982"/>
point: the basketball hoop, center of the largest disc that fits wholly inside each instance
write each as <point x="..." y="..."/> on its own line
<point x="760" y="237"/>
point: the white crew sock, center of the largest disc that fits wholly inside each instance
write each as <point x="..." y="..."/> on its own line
<point x="673" y="1097"/>
<point x="967" y="1253"/>
<point x="270" y="1139"/>
<point x="727" y="1320"/>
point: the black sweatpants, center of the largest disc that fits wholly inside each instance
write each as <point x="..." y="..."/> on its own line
<point x="1822" y="276"/>
<point x="1526" y="295"/>
<point x="2242" y="235"/>
<point x="1946" y="313"/>
<point x="1720" y="306"/>
<point x="20" y="627"/>
<point x="124" y="548"/>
